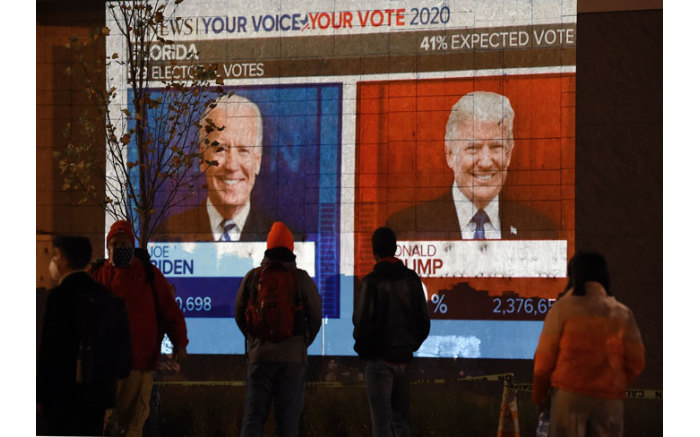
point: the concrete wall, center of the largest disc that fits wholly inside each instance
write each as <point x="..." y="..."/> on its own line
<point x="619" y="150"/>
<point x="59" y="99"/>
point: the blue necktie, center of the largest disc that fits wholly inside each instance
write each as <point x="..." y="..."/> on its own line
<point x="480" y="218"/>
<point x="228" y="226"/>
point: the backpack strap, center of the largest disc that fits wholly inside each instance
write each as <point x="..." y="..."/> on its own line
<point x="145" y="258"/>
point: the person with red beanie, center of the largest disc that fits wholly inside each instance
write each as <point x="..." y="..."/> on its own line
<point x="151" y="309"/>
<point x="277" y="364"/>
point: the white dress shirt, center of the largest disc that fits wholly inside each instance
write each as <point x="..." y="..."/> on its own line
<point x="216" y="221"/>
<point x="466" y="210"/>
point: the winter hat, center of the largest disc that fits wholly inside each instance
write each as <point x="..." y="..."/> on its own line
<point x="280" y="236"/>
<point x="121" y="227"/>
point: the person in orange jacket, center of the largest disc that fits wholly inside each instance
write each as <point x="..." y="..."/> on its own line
<point x="589" y="352"/>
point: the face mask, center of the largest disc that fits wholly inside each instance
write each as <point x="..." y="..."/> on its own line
<point x="53" y="271"/>
<point x="122" y="256"/>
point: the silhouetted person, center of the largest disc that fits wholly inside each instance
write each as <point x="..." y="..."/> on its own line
<point x="152" y="310"/>
<point x="84" y="344"/>
<point x="589" y="352"/>
<point x="391" y="321"/>
<point x="278" y="310"/>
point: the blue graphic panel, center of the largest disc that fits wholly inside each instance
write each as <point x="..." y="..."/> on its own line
<point x="298" y="183"/>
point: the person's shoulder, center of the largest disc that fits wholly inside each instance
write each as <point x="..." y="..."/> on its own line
<point x="411" y="274"/>
<point x="520" y="221"/>
<point x="623" y="311"/>
<point x="188" y="212"/>
<point x="79" y="281"/>
<point x="184" y="224"/>
<point x="302" y="273"/>
<point x="563" y="305"/>
<point x="257" y="225"/>
<point x="434" y="219"/>
<point x="57" y="294"/>
<point x="369" y="278"/>
<point x="399" y="218"/>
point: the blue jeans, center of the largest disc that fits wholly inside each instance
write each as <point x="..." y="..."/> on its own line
<point x="283" y="382"/>
<point x="389" y="390"/>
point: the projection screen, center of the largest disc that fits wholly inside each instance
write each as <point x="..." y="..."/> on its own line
<point x="355" y="99"/>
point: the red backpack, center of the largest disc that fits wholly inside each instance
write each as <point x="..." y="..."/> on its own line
<point x="273" y="305"/>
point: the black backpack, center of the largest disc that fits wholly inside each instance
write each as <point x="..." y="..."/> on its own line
<point x="104" y="353"/>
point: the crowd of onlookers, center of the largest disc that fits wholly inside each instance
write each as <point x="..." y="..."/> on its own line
<point x="104" y="324"/>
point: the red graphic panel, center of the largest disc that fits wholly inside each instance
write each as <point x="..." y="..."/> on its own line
<point x="400" y="161"/>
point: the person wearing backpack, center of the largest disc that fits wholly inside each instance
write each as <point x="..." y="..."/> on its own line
<point x="84" y="345"/>
<point x="278" y="310"/>
<point x="152" y="310"/>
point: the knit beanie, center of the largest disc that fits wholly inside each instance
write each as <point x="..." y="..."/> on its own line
<point x="280" y="236"/>
<point x="121" y="227"/>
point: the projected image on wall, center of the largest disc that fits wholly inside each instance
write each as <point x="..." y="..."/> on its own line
<point x="277" y="155"/>
<point x="475" y="176"/>
<point x="453" y="125"/>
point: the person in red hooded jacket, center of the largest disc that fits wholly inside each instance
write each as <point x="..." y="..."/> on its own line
<point x="151" y="309"/>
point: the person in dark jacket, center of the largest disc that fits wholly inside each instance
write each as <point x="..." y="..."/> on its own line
<point x="152" y="309"/>
<point x="277" y="368"/>
<point x="391" y="321"/>
<point x="71" y="405"/>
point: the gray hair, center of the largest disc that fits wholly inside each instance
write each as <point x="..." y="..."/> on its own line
<point x="229" y="103"/>
<point x="481" y="106"/>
